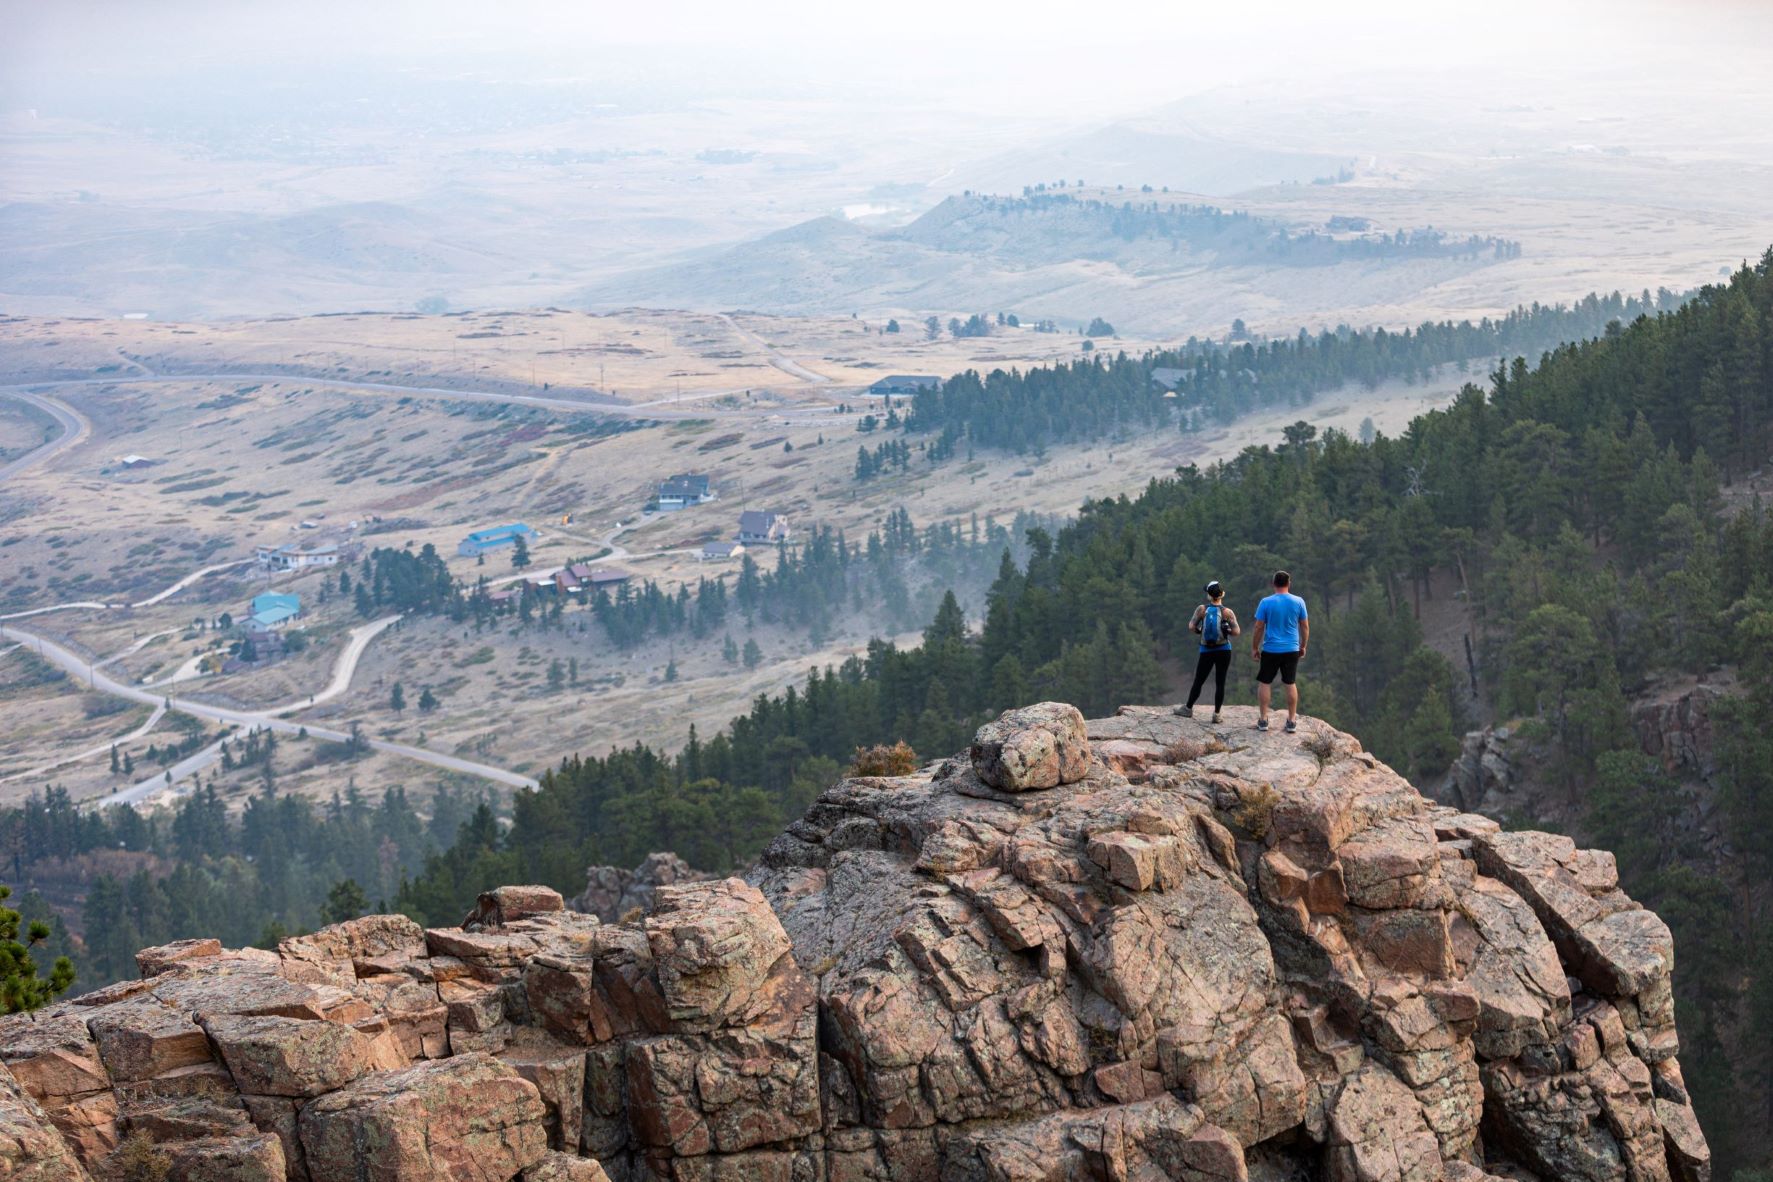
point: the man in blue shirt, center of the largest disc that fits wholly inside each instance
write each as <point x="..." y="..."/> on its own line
<point x="1278" y="642"/>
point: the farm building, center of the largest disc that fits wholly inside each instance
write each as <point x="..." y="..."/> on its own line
<point x="717" y="551"/>
<point x="272" y="610"/>
<point x="483" y="540"/>
<point x="905" y="383"/>
<point x="678" y="492"/>
<point x="757" y="528"/>
<point x="290" y="556"/>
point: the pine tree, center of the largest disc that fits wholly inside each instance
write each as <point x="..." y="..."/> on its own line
<point x="753" y="654"/>
<point x="397" y="699"/>
<point x="344" y="901"/>
<point x="427" y="700"/>
<point x="21" y="989"/>
<point x="520" y="554"/>
<point x="729" y="651"/>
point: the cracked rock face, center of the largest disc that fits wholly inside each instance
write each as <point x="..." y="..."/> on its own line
<point x="1131" y="949"/>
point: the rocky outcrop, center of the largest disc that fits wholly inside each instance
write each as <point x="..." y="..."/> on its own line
<point x="1135" y="948"/>
<point x="1483" y="776"/>
<point x="1675" y="725"/>
<point x="612" y="892"/>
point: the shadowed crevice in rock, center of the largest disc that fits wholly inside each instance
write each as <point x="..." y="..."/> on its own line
<point x="1129" y="948"/>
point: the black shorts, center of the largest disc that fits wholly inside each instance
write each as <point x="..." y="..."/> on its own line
<point x="1286" y="664"/>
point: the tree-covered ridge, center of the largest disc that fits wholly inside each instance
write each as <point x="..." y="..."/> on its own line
<point x="1229" y="237"/>
<point x="1218" y="381"/>
<point x="1574" y="507"/>
<point x="1587" y="511"/>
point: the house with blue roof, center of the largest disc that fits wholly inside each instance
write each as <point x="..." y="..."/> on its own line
<point x="498" y="536"/>
<point x="272" y="610"/>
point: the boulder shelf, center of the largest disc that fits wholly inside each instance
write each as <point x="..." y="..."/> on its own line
<point x="1129" y="949"/>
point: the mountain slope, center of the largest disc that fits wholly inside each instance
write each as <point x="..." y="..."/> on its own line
<point x="1156" y="261"/>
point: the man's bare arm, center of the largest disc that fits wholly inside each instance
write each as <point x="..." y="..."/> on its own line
<point x="1304" y="635"/>
<point x="1256" y="638"/>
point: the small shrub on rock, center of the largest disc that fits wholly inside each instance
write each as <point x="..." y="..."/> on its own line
<point x="1254" y="811"/>
<point x="897" y="760"/>
<point x="137" y="1159"/>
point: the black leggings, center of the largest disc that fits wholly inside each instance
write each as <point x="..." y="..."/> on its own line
<point x="1217" y="661"/>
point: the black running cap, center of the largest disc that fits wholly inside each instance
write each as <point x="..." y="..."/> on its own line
<point x="1214" y="590"/>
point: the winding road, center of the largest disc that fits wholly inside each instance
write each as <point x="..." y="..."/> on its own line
<point x="74" y="428"/>
<point x="274" y="719"/>
<point x="785" y="364"/>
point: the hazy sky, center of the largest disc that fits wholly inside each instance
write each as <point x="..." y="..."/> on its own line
<point x="1032" y="55"/>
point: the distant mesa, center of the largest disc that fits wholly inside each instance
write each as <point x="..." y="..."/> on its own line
<point x="1057" y="253"/>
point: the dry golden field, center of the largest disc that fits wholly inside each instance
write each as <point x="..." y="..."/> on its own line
<point x="239" y="461"/>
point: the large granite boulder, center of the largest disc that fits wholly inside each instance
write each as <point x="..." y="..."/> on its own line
<point x="1039" y="746"/>
<point x="469" y="1118"/>
<point x="1133" y="948"/>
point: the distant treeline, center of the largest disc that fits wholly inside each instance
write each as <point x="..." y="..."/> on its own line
<point x="1219" y="381"/>
<point x="898" y="571"/>
<point x="1237" y="237"/>
<point x="193" y="870"/>
<point x="809" y="585"/>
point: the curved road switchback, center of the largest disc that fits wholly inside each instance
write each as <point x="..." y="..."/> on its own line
<point x="74" y="429"/>
<point x="102" y="682"/>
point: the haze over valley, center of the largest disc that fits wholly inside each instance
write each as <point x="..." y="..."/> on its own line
<point x="446" y="446"/>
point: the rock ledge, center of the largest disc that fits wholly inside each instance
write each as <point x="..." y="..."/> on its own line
<point x="1136" y="948"/>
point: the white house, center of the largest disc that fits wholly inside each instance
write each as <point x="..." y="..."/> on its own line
<point x="290" y="556"/>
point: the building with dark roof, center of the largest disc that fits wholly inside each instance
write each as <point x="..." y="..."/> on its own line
<point x="1167" y="377"/>
<point x="679" y="492"/>
<point x="905" y="383"/>
<point x="758" y="528"/>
